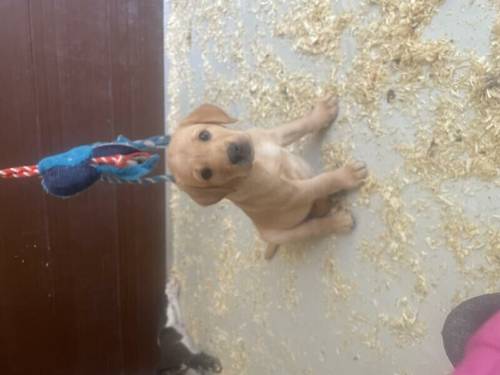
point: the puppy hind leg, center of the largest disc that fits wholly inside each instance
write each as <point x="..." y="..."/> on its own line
<point x="339" y="222"/>
<point x="321" y="207"/>
<point x="325" y="208"/>
<point x="271" y="251"/>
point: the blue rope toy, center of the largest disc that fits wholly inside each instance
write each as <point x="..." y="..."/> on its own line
<point x="122" y="161"/>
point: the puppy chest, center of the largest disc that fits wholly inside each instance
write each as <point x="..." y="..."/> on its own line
<point x="278" y="161"/>
<point x="269" y="150"/>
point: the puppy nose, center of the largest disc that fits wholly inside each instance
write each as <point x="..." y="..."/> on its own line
<point x="236" y="153"/>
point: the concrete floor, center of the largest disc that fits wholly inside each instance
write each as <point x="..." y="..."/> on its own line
<point x="323" y="306"/>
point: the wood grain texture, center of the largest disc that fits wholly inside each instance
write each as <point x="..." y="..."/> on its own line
<point x="81" y="279"/>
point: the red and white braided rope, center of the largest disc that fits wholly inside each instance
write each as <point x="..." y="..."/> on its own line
<point x="119" y="161"/>
<point x="122" y="161"/>
<point x="20" y="172"/>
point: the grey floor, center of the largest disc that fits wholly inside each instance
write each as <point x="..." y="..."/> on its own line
<point x="372" y="302"/>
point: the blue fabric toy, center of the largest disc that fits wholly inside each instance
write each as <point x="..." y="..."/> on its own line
<point x="122" y="161"/>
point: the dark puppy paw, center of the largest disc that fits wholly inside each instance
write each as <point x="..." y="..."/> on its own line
<point x="203" y="361"/>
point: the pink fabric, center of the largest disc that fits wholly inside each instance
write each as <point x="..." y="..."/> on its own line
<point x="482" y="355"/>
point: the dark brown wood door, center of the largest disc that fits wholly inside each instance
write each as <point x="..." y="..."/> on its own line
<point x="80" y="279"/>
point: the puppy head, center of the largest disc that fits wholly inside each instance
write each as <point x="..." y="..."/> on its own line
<point x="206" y="158"/>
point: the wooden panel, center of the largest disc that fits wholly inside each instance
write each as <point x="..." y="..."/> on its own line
<point x="25" y="305"/>
<point x="81" y="278"/>
<point x="138" y="72"/>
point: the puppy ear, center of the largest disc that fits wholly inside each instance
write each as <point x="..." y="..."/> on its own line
<point x="206" y="196"/>
<point x="207" y="114"/>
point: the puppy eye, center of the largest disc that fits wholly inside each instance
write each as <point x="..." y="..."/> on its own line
<point x="204" y="135"/>
<point x="206" y="173"/>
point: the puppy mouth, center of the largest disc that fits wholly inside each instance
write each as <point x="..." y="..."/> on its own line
<point x="241" y="153"/>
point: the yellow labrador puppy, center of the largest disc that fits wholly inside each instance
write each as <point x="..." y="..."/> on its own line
<point x="255" y="171"/>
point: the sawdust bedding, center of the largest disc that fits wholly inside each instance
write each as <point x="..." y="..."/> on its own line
<point x="455" y="140"/>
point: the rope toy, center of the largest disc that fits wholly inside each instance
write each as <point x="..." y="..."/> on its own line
<point x="122" y="161"/>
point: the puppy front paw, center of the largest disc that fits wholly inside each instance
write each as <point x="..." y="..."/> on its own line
<point x="354" y="174"/>
<point x="205" y="362"/>
<point x="324" y="113"/>
<point x="342" y="221"/>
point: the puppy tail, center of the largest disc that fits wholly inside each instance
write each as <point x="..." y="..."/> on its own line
<point x="271" y="251"/>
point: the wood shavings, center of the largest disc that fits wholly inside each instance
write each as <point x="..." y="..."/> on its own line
<point x="421" y="286"/>
<point x="394" y="246"/>
<point x="335" y="155"/>
<point x="394" y="249"/>
<point x="337" y="289"/>
<point x="367" y="329"/>
<point x="406" y="328"/>
<point x="391" y="43"/>
<point x="460" y="234"/>
<point x="391" y="67"/>
<point x="227" y="269"/>
<point x="291" y="296"/>
<point x="179" y="73"/>
<point x="493" y="258"/>
<point x="369" y="188"/>
<point x="234" y="349"/>
<point x="313" y="28"/>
